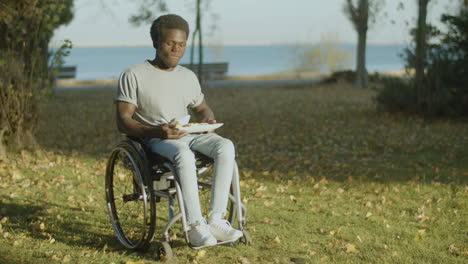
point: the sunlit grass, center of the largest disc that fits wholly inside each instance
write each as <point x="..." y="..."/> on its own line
<point x="326" y="177"/>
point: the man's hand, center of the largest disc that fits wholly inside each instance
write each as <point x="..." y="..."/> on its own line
<point x="172" y="132"/>
<point x="210" y="121"/>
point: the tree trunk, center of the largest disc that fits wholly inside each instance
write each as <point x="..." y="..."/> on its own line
<point x="361" y="71"/>
<point x="361" y="80"/>
<point x="420" y="60"/>
<point x="200" y="43"/>
<point x="192" y="47"/>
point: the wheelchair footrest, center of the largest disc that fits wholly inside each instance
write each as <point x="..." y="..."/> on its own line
<point x="218" y="244"/>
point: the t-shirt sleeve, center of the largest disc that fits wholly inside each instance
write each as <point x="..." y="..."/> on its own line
<point x="197" y="95"/>
<point x="127" y="88"/>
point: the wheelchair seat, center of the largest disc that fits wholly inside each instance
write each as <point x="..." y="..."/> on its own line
<point x="156" y="161"/>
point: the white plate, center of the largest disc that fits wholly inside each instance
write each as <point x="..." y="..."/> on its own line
<point x="201" y="128"/>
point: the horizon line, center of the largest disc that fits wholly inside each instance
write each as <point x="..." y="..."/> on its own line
<point x="103" y="45"/>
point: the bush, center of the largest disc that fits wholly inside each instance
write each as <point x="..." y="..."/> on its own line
<point x="26" y="66"/>
<point x="397" y="95"/>
<point x="445" y="84"/>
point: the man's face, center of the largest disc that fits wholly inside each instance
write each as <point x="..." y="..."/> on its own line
<point x="171" y="48"/>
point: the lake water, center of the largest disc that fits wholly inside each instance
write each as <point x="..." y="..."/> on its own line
<point x="107" y="62"/>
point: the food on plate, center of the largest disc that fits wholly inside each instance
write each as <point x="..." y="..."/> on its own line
<point x="194" y="124"/>
<point x="176" y="123"/>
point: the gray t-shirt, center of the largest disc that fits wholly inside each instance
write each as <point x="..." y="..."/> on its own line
<point x="160" y="96"/>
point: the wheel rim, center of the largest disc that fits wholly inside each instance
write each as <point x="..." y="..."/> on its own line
<point x="127" y="199"/>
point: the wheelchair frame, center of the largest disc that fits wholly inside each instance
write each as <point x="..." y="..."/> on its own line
<point x="154" y="179"/>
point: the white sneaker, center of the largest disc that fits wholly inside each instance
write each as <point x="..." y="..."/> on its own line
<point x="223" y="231"/>
<point x="200" y="235"/>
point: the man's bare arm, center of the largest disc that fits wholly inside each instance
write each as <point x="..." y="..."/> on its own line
<point x="203" y="113"/>
<point x="126" y="124"/>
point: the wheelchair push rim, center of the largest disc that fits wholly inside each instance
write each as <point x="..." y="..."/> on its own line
<point x="130" y="202"/>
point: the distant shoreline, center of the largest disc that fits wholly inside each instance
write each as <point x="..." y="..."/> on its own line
<point x="120" y="45"/>
<point x="268" y="77"/>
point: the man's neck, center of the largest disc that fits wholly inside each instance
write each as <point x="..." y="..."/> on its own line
<point x="160" y="65"/>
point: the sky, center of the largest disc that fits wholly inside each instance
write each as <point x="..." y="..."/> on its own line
<point x="245" y="22"/>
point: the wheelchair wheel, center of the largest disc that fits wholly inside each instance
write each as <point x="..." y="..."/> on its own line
<point x="165" y="251"/>
<point x="130" y="199"/>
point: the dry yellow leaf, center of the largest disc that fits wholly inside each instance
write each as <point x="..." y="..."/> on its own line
<point x="66" y="259"/>
<point x="277" y="240"/>
<point x="350" y="248"/>
<point x="201" y="253"/>
<point x="420" y="234"/>
<point x="244" y="261"/>
<point x="16" y="175"/>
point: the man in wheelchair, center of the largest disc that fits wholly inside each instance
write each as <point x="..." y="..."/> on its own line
<point x="153" y="93"/>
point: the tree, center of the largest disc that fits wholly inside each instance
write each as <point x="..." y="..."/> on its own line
<point x="360" y="16"/>
<point x="26" y="27"/>
<point x="440" y="59"/>
<point x="328" y="54"/>
<point x="421" y="54"/>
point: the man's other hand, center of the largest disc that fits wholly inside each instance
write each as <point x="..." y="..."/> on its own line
<point x="172" y="132"/>
<point x="210" y="121"/>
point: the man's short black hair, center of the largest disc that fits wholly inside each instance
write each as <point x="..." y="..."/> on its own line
<point x="170" y="21"/>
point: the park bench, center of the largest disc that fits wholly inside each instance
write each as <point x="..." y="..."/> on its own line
<point x="67" y="72"/>
<point x="210" y="71"/>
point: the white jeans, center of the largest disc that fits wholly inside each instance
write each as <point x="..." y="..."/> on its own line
<point x="179" y="151"/>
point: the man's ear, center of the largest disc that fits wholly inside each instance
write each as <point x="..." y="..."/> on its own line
<point x="155" y="44"/>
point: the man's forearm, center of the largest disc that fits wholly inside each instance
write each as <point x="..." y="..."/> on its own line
<point x="134" y="128"/>
<point x="204" y="115"/>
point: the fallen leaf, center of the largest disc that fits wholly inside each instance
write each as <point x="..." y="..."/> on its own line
<point x="66" y="259"/>
<point x="201" y="254"/>
<point x="16" y="175"/>
<point x="350" y="248"/>
<point x="244" y="261"/>
<point x="277" y="240"/>
<point x="420" y="234"/>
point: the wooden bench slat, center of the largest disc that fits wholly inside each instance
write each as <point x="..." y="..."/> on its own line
<point x="67" y="72"/>
<point x="210" y="70"/>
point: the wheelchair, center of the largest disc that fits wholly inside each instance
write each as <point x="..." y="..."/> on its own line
<point x="141" y="188"/>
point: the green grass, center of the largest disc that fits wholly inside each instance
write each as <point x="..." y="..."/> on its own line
<point x="326" y="179"/>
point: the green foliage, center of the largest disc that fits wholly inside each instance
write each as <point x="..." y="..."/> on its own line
<point x="146" y="12"/>
<point x="26" y="26"/>
<point x="445" y="82"/>
<point x="397" y="95"/>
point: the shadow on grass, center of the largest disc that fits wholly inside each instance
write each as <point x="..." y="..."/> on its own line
<point x="26" y="217"/>
<point x="71" y="229"/>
